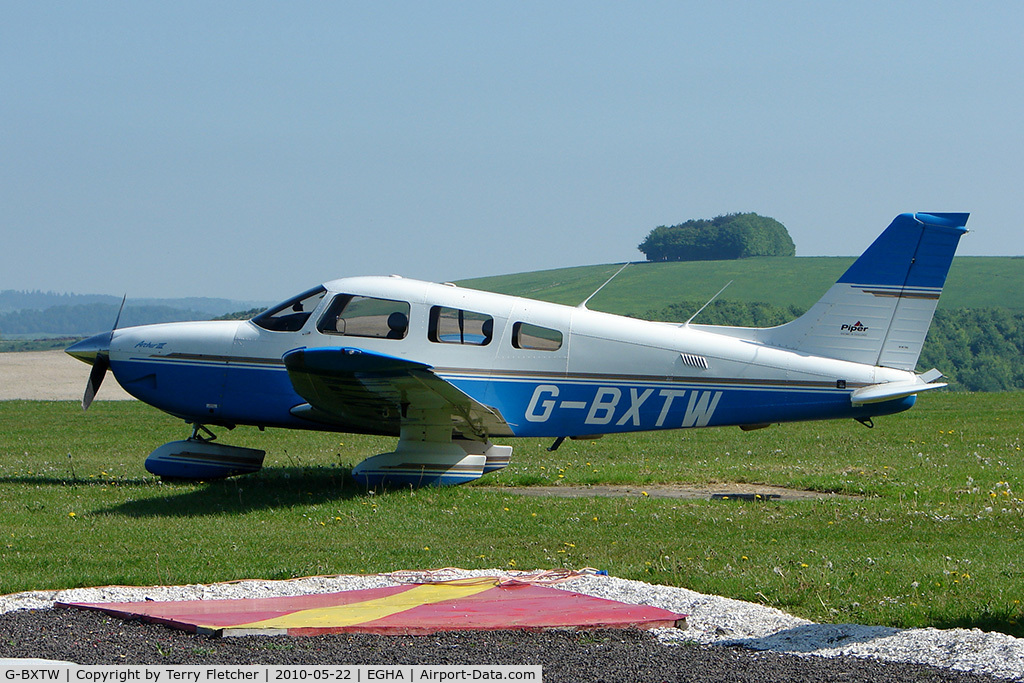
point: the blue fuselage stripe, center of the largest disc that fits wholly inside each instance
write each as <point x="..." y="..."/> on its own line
<point x="543" y="407"/>
<point x="262" y="394"/>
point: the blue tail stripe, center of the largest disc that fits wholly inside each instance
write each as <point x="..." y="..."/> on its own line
<point x="914" y="251"/>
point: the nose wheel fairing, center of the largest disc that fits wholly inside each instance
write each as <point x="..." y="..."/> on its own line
<point x="198" y="458"/>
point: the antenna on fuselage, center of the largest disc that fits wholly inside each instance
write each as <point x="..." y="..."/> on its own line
<point x="707" y="304"/>
<point x="584" y="304"/>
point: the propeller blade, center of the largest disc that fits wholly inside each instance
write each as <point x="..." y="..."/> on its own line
<point x="96" y="350"/>
<point x="99" y="371"/>
<point x="117" y="319"/>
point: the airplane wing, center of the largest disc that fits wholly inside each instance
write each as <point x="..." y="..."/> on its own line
<point x="359" y="390"/>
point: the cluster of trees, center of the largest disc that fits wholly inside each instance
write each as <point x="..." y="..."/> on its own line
<point x="978" y="349"/>
<point x="732" y="236"/>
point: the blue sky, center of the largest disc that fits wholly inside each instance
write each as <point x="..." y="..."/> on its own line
<point x="252" y="149"/>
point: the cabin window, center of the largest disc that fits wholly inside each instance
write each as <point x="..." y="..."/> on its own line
<point x="527" y="336"/>
<point x="455" y="326"/>
<point x="364" y="316"/>
<point x="292" y="314"/>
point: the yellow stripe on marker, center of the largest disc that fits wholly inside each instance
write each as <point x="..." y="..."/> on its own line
<point x="370" y="610"/>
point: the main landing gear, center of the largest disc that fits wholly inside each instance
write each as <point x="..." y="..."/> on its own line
<point x="430" y="454"/>
<point x="421" y="463"/>
<point x="198" y="458"/>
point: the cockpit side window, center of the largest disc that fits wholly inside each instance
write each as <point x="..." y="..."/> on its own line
<point x="456" y="326"/>
<point x="364" y="316"/>
<point x="291" y="315"/>
<point x="535" y="337"/>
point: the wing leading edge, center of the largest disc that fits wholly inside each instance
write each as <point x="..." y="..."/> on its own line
<point x="361" y="390"/>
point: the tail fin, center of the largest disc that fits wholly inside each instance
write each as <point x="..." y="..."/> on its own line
<point x="879" y="311"/>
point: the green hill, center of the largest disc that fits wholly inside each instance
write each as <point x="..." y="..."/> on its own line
<point x="974" y="282"/>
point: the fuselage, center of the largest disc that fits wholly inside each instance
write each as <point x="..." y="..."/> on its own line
<point x="548" y="369"/>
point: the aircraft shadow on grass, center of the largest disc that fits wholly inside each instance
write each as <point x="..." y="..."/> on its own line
<point x="272" y="489"/>
<point x="51" y="480"/>
<point x="277" y="488"/>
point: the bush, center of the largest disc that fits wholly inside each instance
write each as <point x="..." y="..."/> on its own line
<point x="733" y="236"/>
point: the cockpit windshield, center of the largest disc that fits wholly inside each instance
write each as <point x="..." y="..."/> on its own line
<point x="291" y="315"/>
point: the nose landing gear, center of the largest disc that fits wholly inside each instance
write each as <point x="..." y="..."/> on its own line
<point x="197" y="458"/>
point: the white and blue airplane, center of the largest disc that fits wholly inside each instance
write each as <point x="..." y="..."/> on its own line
<point x="446" y="369"/>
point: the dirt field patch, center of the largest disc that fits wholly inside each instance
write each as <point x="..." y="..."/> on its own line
<point x="752" y="492"/>
<point x="50" y="376"/>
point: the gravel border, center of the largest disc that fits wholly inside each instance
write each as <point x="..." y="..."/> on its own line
<point x="720" y="630"/>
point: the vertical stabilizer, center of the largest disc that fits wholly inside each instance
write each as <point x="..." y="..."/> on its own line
<point x="879" y="311"/>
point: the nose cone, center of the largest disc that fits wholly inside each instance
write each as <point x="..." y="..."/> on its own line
<point x="88" y="349"/>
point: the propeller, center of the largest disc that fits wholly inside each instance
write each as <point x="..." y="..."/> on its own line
<point x="96" y="351"/>
<point x="99" y="371"/>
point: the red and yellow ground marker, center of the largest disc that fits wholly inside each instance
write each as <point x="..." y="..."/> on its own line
<point x="464" y="604"/>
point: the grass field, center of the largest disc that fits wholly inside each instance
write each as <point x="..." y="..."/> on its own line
<point x="933" y="533"/>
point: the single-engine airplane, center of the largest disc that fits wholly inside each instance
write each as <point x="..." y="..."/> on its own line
<point x="446" y="369"/>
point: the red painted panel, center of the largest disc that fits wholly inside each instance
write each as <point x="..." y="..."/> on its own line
<point x="518" y="606"/>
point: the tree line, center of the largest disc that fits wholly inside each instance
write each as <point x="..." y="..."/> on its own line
<point x="979" y="349"/>
<point x="86" y="319"/>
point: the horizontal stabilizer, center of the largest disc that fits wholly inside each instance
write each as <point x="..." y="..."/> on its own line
<point x="889" y="391"/>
